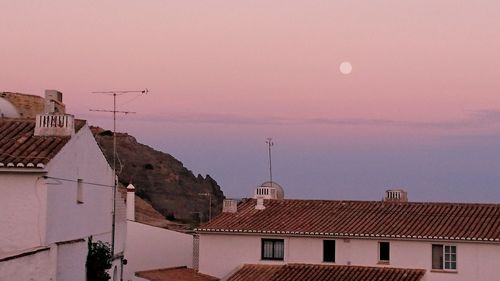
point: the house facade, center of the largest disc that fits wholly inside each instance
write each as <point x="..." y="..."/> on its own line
<point x="57" y="191"/>
<point x="448" y="241"/>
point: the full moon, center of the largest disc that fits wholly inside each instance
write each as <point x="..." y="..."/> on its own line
<point x="345" y="67"/>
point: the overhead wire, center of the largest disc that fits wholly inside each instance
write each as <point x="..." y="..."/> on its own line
<point x="130" y="100"/>
<point x="76" y="181"/>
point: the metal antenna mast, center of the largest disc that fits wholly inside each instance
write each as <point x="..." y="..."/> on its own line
<point x="114" y="111"/>
<point x="270" y="143"/>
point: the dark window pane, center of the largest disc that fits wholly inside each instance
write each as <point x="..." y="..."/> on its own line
<point x="437" y="256"/>
<point x="384" y="251"/>
<point x="278" y="249"/>
<point x="329" y="250"/>
<point x="453" y="265"/>
<point x="267" y="251"/>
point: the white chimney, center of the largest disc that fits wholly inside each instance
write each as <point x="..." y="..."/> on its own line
<point x="54" y="125"/>
<point x="130" y="202"/>
<point x="269" y="190"/>
<point x="54" y="121"/>
<point x="260" y="204"/>
<point x="229" y="206"/>
<point x="396" y="195"/>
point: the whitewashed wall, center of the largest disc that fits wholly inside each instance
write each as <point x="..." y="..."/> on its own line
<point x="150" y="247"/>
<point x="33" y="267"/>
<point x="80" y="158"/>
<point x="22" y="211"/>
<point x="71" y="258"/>
<point x="39" y="212"/>
<point x="121" y="222"/>
<point x="220" y="255"/>
<point x="61" y="262"/>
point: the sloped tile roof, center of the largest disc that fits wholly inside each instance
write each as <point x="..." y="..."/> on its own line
<point x="317" y="272"/>
<point x="174" y="274"/>
<point x="411" y="220"/>
<point x="19" y="148"/>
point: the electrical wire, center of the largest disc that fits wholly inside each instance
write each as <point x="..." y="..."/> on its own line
<point x="130" y="100"/>
<point x="119" y="163"/>
<point x="70" y="180"/>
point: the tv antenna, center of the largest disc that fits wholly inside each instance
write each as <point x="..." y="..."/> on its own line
<point x="270" y="143"/>
<point x="114" y="111"/>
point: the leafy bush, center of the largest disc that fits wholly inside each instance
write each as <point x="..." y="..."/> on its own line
<point x="99" y="260"/>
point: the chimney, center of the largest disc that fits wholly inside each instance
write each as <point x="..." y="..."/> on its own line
<point x="396" y="195"/>
<point x="260" y="204"/>
<point x="229" y="206"/>
<point x="130" y="202"/>
<point x="269" y="190"/>
<point x="54" y="121"/>
<point x="53" y="102"/>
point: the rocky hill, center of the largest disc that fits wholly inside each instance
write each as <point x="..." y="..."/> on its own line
<point x="160" y="179"/>
<point x="145" y="213"/>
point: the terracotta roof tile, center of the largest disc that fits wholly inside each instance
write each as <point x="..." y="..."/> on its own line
<point x="19" y="148"/>
<point x="317" y="272"/>
<point x="174" y="274"/>
<point x="410" y="220"/>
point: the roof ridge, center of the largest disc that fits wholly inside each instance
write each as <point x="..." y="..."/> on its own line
<point x="380" y="202"/>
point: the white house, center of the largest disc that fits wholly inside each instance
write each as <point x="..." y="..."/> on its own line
<point x="435" y="241"/>
<point x="57" y="191"/>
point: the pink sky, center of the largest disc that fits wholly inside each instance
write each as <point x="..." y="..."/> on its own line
<point x="231" y="73"/>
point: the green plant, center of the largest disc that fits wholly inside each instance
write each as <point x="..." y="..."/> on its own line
<point x="99" y="260"/>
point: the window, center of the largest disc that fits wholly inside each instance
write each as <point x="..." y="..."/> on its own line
<point x="444" y="257"/>
<point x="384" y="249"/>
<point x="329" y="250"/>
<point x="273" y="249"/>
<point x="79" y="191"/>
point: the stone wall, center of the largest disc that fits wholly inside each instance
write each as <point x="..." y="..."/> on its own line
<point x="28" y="106"/>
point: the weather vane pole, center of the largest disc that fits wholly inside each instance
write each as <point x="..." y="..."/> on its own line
<point x="114" y="111"/>
<point x="270" y="143"/>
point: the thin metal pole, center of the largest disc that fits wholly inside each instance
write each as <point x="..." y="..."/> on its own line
<point x="270" y="143"/>
<point x="115" y="182"/>
<point x="114" y="176"/>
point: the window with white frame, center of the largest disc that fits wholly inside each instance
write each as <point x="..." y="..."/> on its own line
<point x="444" y="257"/>
<point x="273" y="249"/>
